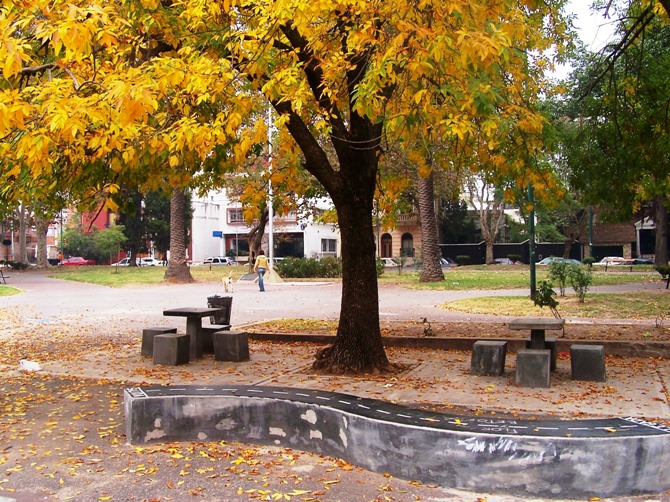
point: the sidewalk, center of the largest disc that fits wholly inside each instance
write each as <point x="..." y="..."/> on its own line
<point x="64" y="424"/>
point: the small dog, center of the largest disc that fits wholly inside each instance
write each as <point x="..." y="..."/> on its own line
<point x="227" y="283"/>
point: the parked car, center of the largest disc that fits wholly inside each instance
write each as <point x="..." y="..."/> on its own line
<point x="502" y="261"/>
<point x="150" y="262"/>
<point x="390" y="262"/>
<point x="124" y="263"/>
<point x="75" y="261"/>
<point x="219" y="260"/>
<point x="553" y="259"/>
<point x="643" y="261"/>
<point x="613" y="260"/>
<point x="447" y="262"/>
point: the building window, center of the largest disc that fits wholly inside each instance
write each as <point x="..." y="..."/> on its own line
<point x="387" y="246"/>
<point x="235" y="215"/>
<point x="329" y="246"/>
<point x="407" y="245"/>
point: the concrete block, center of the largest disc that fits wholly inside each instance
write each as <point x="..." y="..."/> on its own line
<point x="207" y="332"/>
<point x="488" y="357"/>
<point x="533" y="367"/>
<point x="550" y="344"/>
<point x="172" y="349"/>
<point x="148" y="335"/>
<point x="588" y="362"/>
<point x="230" y="346"/>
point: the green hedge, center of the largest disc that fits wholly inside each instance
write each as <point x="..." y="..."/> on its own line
<point x="309" y="267"/>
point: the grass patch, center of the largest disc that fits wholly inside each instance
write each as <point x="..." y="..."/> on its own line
<point x="8" y="291"/>
<point x="639" y="305"/>
<point x="118" y="277"/>
<point x="480" y="277"/>
<point x="495" y="277"/>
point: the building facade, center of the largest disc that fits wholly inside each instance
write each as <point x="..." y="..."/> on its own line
<point x="219" y="229"/>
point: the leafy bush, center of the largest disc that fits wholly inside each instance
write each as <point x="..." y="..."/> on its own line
<point x="663" y="270"/>
<point x="463" y="259"/>
<point x="380" y="267"/>
<point x="309" y="267"/>
<point x="558" y="271"/>
<point x="589" y="260"/>
<point x="544" y="297"/>
<point x="580" y="280"/>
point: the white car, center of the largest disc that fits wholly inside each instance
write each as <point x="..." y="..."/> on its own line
<point x="390" y="262"/>
<point x="150" y="262"/>
<point x="124" y="263"/>
<point x="613" y="260"/>
<point x="219" y="260"/>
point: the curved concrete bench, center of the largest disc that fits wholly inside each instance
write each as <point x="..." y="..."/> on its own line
<point x="553" y="458"/>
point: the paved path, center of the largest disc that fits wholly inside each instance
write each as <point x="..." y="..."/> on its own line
<point x="40" y="415"/>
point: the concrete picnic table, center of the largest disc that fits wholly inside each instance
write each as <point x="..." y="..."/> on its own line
<point x="194" y="316"/>
<point x="537" y="327"/>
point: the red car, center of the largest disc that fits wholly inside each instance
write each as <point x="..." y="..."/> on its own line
<point x="76" y="261"/>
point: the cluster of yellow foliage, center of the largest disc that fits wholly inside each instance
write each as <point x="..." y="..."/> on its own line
<point x="97" y="94"/>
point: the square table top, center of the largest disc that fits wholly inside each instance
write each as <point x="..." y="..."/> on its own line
<point x="536" y="323"/>
<point x="196" y="312"/>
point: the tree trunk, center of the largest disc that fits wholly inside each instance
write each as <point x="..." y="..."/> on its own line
<point x="177" y="269"/>
<point x="661" y="221"/>
<point x="23" y="228"/>
<point x="41" y="227"/>
<point x="255" y="238"/>
<point x="431" y="270"/>
<point x="358" y="346"/>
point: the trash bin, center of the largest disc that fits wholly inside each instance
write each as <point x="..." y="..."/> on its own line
<point x="225" y="302"/>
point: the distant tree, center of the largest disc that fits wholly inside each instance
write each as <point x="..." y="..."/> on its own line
<point x="454" y="225"/>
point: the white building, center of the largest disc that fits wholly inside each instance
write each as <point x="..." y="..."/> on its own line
<point x="218" y="226"/>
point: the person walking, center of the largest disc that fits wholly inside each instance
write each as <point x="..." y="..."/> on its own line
<point x="260" y="266"/>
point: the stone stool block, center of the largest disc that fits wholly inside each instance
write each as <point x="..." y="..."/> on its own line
<point x="230" y="346"/>
<point x="172" y="349"/>
<point x="549" y="343"/>
<point x="588" y="362"/>
<point x="207" y="332"/>
<point x="488" y="357"/>
<point x="148" y="335"/>
<point x="533" y="367"/>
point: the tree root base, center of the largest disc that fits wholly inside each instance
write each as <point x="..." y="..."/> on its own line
<point x="329" y="364"/>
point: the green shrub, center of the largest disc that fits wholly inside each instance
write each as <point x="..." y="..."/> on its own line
<point x="309" y="267"/>
<point x="589" y="260"/>
<point x="663" y="270"/>
<point x="558" y="271"/>
<point x="544" y="297"/>
<point x="463" y="259"/>
<point x="580" y="279"/>
<point x="380" y="267"/>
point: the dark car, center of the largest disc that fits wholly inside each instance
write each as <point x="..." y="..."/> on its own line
<point x="642" y="261"/>
<point x="75" y="261"/>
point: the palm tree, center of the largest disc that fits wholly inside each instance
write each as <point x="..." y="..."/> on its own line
<point x="177" y="269"/>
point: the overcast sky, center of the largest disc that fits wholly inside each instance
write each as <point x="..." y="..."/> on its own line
<point x="593" y="28"/>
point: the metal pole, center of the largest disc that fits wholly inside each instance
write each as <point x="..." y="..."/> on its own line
<point x="531" y="241"/>
<point x="270" y="208"/>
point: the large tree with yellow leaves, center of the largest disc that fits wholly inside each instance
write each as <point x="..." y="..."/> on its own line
<point x="98" y="95"/>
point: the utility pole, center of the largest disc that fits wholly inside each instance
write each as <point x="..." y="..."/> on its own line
<point x="531" y="241"/>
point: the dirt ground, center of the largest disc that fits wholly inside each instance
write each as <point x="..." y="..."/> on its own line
<point x="577" y="331"/>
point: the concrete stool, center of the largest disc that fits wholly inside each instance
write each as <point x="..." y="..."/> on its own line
<point x="488" y="357"/>
<point x="230" y="346"/>
<point x="148" y="335"/>
<point x="549" y="343"/>
<point x="533" y="367"/>
<point x="207" y="332"/>
<point x="588" y="362"/>
<point x="172" y="349"/>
